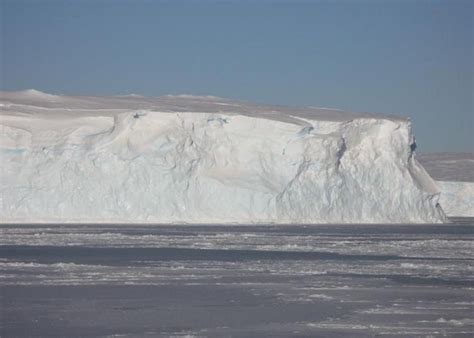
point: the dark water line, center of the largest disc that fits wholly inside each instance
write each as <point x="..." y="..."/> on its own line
<point x="121" y="256"/>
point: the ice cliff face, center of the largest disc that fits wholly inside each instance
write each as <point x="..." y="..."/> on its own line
<point x="205" y="160"/>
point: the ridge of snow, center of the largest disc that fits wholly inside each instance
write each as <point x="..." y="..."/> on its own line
<point x="196" y="97"/>
<point x="130" y="95"/>
<point x="30" y="94"/>
<point x="178" y="159"/>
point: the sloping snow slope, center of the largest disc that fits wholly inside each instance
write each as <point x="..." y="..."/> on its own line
<point x="455" y="175"/>
<point x="205" y="160"/>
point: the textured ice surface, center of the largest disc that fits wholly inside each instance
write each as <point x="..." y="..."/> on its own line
<point x="455" y="175"/>
<point x="457" y="198"/>
<point x="240" y="281"/>
<point x="205" y="160"/>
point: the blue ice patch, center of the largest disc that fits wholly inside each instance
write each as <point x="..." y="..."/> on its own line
<point x="13" y="151"/>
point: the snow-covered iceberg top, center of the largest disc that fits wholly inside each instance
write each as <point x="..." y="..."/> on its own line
<point x="194" y="159"/>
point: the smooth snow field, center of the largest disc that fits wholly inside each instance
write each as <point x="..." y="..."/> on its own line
<point x="239" y="281"/>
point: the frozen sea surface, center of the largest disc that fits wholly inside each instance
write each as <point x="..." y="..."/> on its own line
<point x="237" y="281"/>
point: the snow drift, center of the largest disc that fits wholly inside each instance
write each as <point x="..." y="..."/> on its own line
<point x="205" y="160"/>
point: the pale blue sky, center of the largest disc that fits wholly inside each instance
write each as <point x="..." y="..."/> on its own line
<point x="411" y="58"/>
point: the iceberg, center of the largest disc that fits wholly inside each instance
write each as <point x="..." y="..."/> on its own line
<point x="204" y="159"/>
<point x="454" y="174"/>
<point x="457" y="198"/>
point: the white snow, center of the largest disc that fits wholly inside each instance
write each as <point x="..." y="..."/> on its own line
<point x="457" y="198"/>
<point x="176" y="159"/>
<point x="455" y="175"/>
